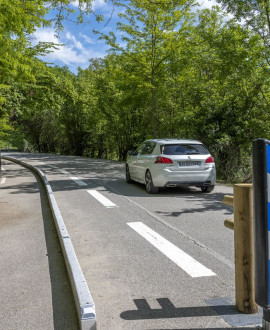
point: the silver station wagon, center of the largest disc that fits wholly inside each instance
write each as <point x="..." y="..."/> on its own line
<point x="170" y="163"/>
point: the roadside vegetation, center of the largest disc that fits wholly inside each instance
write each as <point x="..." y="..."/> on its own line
<point x="176" y="73"/>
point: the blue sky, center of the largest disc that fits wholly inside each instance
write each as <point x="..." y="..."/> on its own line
<point x="80" y="43"/>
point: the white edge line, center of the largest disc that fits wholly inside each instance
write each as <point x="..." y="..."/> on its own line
<point x="82" y="296"/>
<point x="179" y="257"/>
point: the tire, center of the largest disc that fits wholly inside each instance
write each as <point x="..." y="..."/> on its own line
<point x="207" y="189"/>
<point x="128" y="178"/>
<point x="149" y="186"/>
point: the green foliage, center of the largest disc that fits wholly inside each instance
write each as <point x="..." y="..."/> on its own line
<point x="174" y="74"/>
<point x="10" y="138"/>
<point x="152" y="34"/>
<point x="255" y="14"/>
<point x="19" y="19"/>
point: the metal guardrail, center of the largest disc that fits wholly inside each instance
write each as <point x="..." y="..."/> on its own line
<point x="243" y="226"/>
<point x="84" y="302"/>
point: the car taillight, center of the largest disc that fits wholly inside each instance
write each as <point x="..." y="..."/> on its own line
<point x="209" y="160"/>
<point x="163" y="160"/>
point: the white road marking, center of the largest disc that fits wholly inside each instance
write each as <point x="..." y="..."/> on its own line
<point x="102" y="199"/>
<point x="74" y="178"/>
<point x="182" y="259"/>
<point x="52" y="166"/>
<point x="3" y="180"/>
<point x="78" y="181"/>
<point x="205" y="248"/>
<point x="64" y="172"/>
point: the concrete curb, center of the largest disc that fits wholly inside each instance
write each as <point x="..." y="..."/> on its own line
<point x="82" y="296"/>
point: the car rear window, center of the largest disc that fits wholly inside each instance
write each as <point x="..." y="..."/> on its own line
<point x="183" y="149"/>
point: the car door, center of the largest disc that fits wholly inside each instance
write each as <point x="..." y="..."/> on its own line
<point x="144" y="159"/>
<point x="133" y="163"/>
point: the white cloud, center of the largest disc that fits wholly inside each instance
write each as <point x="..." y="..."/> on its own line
<point x="46" y="35"/>
<point x="76" y="44"/>
<point x="207" y="3"/>
<point x="72" y="53"/>
<point x="96" y="4"/>
<point x="77" y="5"/>
<point x="86" y="39"/>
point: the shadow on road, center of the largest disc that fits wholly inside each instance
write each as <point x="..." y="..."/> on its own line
<point x="168" y="310"/>
<point x="98" y="174"/>
<point x="217" y="307"/>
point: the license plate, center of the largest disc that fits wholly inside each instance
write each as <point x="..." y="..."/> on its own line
<point x="189" y="164"/>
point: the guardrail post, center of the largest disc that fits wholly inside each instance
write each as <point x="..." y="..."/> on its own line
<point x="244" y="248"/>
<point x="242" y="202"/>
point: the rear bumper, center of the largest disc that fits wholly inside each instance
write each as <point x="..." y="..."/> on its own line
<point x="167" y="178"/>
<point x="196" y="184"/>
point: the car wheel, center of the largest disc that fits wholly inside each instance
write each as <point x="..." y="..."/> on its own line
<point x="207" y="189"/>
<point x="128" y="178"/>
<point x="150" y="188"/>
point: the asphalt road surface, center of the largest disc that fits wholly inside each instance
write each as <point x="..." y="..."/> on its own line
<point x="162" y="261"/>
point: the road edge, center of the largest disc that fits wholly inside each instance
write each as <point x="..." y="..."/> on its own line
<point x="83" y="299"/>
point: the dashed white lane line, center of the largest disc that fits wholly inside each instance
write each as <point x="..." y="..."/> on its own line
<point x="3" y="180"/>
<point x="182" y="259"/>
<point x="64" y="172"/>
<point x="102" y="199"/>
<point x="74" y="178"/>
<point x="52" y="166"/>
<point x="78" y="181"/>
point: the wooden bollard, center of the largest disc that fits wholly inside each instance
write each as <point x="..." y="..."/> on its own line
<point x="228" y="200"/>
<point x="244" y="248"/>
<point x="229" y="223"/>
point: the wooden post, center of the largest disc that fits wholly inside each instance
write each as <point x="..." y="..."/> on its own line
<point x="244" y="248"/>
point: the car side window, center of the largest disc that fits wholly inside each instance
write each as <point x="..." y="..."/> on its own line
<point x="140" y="149"/>
<point x="152" y="147"/>
<point x="148" y="148"/>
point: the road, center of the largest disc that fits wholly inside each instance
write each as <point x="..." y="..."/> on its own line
<point x="162" y="261"/>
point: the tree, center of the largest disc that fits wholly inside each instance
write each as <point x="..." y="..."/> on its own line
<point x="152" y="32"/>
<point x="18" y="21"/>
<point x="255" y="14"/>
<point x="223" y="86"/>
